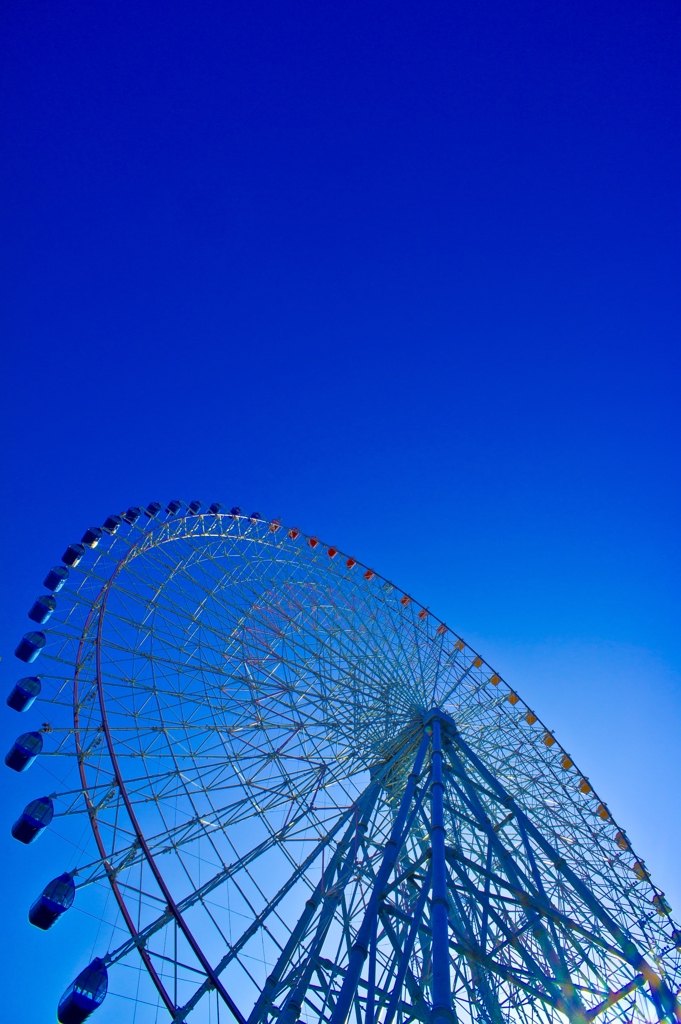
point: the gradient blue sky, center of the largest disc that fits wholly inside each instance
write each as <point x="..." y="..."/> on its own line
<point x="406" y="274"/>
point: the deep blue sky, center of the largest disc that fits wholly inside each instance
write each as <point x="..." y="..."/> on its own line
<point x="406" y="274"/>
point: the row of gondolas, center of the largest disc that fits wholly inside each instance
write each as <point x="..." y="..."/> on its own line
<point x="89" y="989"/>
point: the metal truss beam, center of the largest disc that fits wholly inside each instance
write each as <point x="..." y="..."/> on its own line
<point x="663" y="999"/>
<point x="360" y="947"/>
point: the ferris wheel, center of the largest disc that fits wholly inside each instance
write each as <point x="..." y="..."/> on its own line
<point x="290" y="793"/>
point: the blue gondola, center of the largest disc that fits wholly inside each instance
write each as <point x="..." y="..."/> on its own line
<point x="30" y="646"/>
<point x="24" y="751"/>
<point x="132" y="515"/>
<point x="153" y="509"/>
<point x="56" y="578"/>
<point x="84" y="995"/>
<point x="34" y="819"/>
<point x="236" y="511"/>
<point x="55" y="899"/>
<point x="254" y="516"/>
<point x="24" y="693"/>
<point x="73" y="554"/>
<point x="173" y="507"/>
<point x="215" y="508"/>
<point x="42" y="608"/>
<point x="194" y="507"/>
<point x="91" y="537"/>
<point x="112" y="524"/>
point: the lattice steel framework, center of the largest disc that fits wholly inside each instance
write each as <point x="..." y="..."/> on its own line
<point x="312" y="801"/>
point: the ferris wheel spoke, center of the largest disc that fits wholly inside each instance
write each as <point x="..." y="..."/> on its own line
<point x="446" y="697"/>
<point x="300" y="872"/>
<point x="210" y="840"/>
<point x="354" y="641"/>
<point x="254" y="595"/>
<point x="199" y="894"/>
<point x="313" y="668"/>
